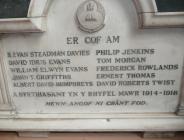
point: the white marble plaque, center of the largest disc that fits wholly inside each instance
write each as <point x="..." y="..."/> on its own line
<point x="117" y="70"/>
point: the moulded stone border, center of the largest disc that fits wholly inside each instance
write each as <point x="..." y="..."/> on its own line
<point x="5" y="103"/>
<point x="149" y="17"/>
<point x="94" y="125"/>
<point x="180" y="110"/>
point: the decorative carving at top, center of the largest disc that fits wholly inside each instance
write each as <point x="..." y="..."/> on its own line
<point x="91" y="16"/>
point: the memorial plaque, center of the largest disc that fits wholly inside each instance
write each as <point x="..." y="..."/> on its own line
<point x="95" y="78"/>
<point x="93" y="62"/>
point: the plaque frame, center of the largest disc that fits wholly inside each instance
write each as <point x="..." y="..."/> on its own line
<point x="150" y="17"/>
<point x="6" y="107"/>
<point x="34" y="22"/>
<point x="180" y="110"/>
